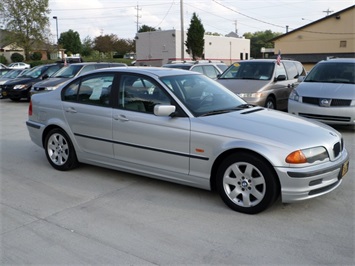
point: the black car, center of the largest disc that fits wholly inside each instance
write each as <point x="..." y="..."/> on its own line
<point x="68" y="72"/>
<point x="19" y="88"/>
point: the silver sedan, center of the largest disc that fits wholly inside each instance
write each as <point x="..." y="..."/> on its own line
<point x="183" y="127"/>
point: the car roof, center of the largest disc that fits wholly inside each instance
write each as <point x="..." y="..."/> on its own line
<point x="339" y="60"/>
<point x="156" y="71"/>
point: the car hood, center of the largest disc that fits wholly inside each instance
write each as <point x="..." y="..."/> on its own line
<point x="16" y="81"/>
<point x="51" y="82"/>
<point x="243" y="85"/>
<point x="274" y="128"/>
<point x="324" y="90"/>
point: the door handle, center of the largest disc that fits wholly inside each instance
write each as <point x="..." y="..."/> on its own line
<point x="120" y="117"/>
<point x="71" y="110"/>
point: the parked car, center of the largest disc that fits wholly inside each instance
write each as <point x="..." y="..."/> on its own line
<point x="145" y="121"/>
<point x="13" y="73"/>
<point x="19" y="65"/>
<point x="68" y="72"/>
<point x="20" y="87"/>
<point x="209" y="68"/>
<point x="263" y="82"/>
<point x="327" y="94"/>
<point x="2" y="66"/>
<point x="3" y="71"/>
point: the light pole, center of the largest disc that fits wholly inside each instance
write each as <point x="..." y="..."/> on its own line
<point x="56" y="23"/>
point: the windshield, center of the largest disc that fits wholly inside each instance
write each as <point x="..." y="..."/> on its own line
<point x="202" y="95"/>
<point x="67" y="71"/>
<point x="35" y="72"/>
<point x="250" y="70"/>
<point x="11" y="74"/>
<point x="332" y="73"/>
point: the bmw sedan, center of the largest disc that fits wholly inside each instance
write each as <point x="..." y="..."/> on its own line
<point x="184" y="127"/>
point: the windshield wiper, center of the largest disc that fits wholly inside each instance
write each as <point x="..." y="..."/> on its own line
<point x="223" y="111"/>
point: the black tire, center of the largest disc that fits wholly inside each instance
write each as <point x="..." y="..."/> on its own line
<point x="270" y="103"/>
<point x="247" y="183"/>
<point x="60" y="151"/>
<point x="15" y="99"/>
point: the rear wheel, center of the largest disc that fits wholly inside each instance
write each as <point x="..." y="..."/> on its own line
<point x="60" y="150"/>
<point x="247" y="183"/>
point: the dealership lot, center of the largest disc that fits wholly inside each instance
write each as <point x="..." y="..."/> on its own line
<point x="93" y="215"/>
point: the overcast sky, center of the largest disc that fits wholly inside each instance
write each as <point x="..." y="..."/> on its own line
<point x="95" y="17"/>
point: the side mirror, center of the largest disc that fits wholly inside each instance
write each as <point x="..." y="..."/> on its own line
<point x="45" y="76"/>
<point x="164" y="110"/>
<point x="280" y="77"/>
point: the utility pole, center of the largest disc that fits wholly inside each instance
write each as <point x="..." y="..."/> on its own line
<point x="138" y="16"/>
<point x="328" y="11"/>
<point x="182" y="29"/>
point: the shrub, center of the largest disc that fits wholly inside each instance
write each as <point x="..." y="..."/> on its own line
<point x="16" y="57"/>
<point x="3" y="59"/>
<point x="36" y="56"/>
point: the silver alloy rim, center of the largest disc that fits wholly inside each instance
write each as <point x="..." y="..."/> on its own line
<point x="244" y="184"/>
<point x="270" y="105"/>
<point x="58" y="149"/>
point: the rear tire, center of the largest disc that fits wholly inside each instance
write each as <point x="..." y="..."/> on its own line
<point x="60" y="151"/>
<point x="247" y="183"/>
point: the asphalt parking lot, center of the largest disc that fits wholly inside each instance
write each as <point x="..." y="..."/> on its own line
<point x="95" y="216"/>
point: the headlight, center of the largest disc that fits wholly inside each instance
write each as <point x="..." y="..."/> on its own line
<point x="20" y="87"/>
<point x="50" y="88"/>
<point x="310" y="155"/>
<point x="250" y="95"/>
<point x="294" y="96"/>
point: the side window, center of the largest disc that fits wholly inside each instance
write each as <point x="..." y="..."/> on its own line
<point x="300" y="69"/>
<point x="279" y="70"/>
<point x="87" y="69"/>
<point x="211" y="72"/>
<point x="291" y="69"/>
<point x="93" y="90"/>
<point x="198" y="69"/>
<point x="140" y="94"/>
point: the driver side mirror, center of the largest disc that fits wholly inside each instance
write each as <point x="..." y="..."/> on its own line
<point x="45" y="76"/>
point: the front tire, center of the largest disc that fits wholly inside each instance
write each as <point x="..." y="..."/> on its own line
<point x="270" y="103"/>
<point x="247" y="183"/>
<point x="60" y="151"/>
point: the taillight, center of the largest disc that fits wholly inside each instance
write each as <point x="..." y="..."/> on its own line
<point x="30" y="109"/>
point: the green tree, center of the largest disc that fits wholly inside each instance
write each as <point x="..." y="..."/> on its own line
<point x="16" y="57"/>
<point x="27" y="20"/>
<point x="124" y="46"/>
<point x="146" y="28"/>
<point x="195" y="42"/>
<point x="106" y="43"/>
<point x="87" y="46"/>
<point x="70" y="41"/>
<point x="260" y="39"/>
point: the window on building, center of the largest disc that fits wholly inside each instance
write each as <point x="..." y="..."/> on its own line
<point x="342" y="44"/>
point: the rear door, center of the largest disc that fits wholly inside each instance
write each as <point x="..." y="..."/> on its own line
<point x="88" y="111"/>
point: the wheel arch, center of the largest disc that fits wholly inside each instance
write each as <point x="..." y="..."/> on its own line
<point x="227" y="153"/>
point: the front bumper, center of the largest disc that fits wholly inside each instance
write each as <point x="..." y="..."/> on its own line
<point x="342" y="115"/>
<point x="309" y="182"/>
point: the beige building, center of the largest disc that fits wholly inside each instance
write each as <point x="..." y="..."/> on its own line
<point x="331" y="36"/>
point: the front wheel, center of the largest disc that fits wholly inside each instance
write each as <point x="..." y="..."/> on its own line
<point x="246" y="183"/>
<point x="60" y="151"/>
<point x="270" y="103"/>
